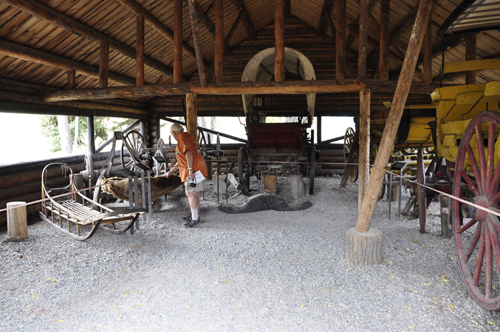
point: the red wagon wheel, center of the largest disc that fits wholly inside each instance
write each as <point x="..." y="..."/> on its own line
<point x="477" y="233"/>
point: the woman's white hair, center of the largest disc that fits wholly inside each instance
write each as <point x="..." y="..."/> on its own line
<point x="177" y="128"/>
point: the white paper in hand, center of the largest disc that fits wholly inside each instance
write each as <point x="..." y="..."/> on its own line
<point x="198" y="176"/>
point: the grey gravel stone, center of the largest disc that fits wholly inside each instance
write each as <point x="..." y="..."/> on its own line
<point x="264" y="271"/>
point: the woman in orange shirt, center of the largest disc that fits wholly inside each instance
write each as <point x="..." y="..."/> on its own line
<point x="189" y="161"/>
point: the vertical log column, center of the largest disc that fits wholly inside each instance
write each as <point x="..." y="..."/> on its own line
<point x="470" y="54"/>
<point x="364" y="144"/>
<point x="219" y="40"/>
<point x="139" y="60"/>
<point x="196" y="41"/>
<point x="368" y="251"/>
<point x="383" y="64"/>
<point x="340" y="49"/>
<point x="427" y="53"/>
<point x="177" y="41"/>
<point x="192" y="115"/>
<point x="71" y="79"/>
<point x="90" y="134"/>
<point x="103" y="66"/>
<point x="279" y="41"/>
<point x="363" y="38"/>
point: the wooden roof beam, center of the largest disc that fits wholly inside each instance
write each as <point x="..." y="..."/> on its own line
<point x="62" y="21"/>
<point x="227" y="88"/>
<point x="52" y="60"/>
<point x="152" y="21"/>
<point x="248" y="26"/>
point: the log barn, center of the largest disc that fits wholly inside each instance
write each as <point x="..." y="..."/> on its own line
<point x="149" y="60"/>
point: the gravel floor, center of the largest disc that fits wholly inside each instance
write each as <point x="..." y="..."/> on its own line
<point x="265" y="271"/>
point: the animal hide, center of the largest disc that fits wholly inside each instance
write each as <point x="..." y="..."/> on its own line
<point x="160" y="186"/>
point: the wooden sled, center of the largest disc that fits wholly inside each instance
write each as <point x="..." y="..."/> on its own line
<point x="76" y="215"/>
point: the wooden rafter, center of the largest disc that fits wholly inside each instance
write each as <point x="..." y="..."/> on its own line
<point x="196" y="41"/>
<point x="103" y="65"/>
<point x="248" y="26"/>
<point x="279" y="41"/>
<point x="52" y="60"/>
<point x="139" y="72"/>
<point x="177" y="78"/>
<point x="135" y="8"/>
<point x="62" y="21"/>
<point x="233" y="30"/>
<point x="202" y="16"/>
<point x="219" y="41"/>
<point x="383" y="63"/>
<point x="363" y="36"/>
<point x="341" y="62"/>
<point x="325" y="12"/>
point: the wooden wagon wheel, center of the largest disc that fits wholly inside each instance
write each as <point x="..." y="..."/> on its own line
<point x="134" y="143"/>
<point x="477" y="238"/>
<point x="348" y="145"/>
<point x="243" y="170"/>
<point x="89" y="168"/>
<point x="202" y="144"/>
<point x="373" y="156"/>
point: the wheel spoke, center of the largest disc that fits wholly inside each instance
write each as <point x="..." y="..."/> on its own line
<point x="481" y="157"/>
<point x="473" y="243"/>
<point x="491" y="158"/>
<point x="488" y="262"/>
<point x="494" y="243"/>
<point x="475" y="168"/>
<point x="469" y="182"/>
<point x="480" y="257"/>
<point x="467" y="226"/>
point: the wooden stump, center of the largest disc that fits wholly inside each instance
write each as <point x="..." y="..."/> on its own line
<point x="297" y="186"/>
<point x="17" y="222"/>
<point x="270" y="183"/>
<point x="363" y="248"/>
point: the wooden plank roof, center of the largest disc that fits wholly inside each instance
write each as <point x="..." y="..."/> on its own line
<point x="112" y="20"/>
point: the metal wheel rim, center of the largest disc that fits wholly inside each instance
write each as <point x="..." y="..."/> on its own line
<point x="135" y="141"/>
<point x="479" y="235"/>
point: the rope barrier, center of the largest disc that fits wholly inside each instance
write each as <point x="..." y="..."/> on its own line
<point x="496" y="213"/>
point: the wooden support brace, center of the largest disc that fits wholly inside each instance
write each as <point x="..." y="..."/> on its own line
<point x="340" y="49"/>
<point x="394" y="118"/>
<point x="383" y="65"/>
<point x="364" y="144"/>
<point x="197" y="42"/>
<point x="363" y="37"/>
<point x="219" y="41"/>
<point x="177" y="78"/>
<point x="470" y="54"/>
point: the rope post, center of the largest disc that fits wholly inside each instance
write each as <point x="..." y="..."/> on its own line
<point x="17" y="222"/>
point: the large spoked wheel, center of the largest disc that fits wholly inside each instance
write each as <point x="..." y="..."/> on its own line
<point x="134" y="143"/>
<point x="243" y="170"/>
<point x="202" y="144"/>
<point x="348" y="145"/>
<point x="477" y="234"/>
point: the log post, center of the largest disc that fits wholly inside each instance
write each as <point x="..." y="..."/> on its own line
<point x="91" y="134"/>
<point x="71" y="79"/>
<point x="197" y="43"/>
<point x="394" y="117"/>
<point x="363" y="37"/>
<point x="270" y="183"/>
<point x="421" y="191"/>
<point x="17" y="222"/>
<point x="427" y="53"/>
<point x="219" y="40"/>
<point x="139" y="59"/>
<point x="470" y="54"/>
<point x="363" y="248"/>
<point x="192" y="115"/>
<point x="364" y="144"/>
<point x="279" y="42"/>
<point x="177" y="41"/>
<point x="384" y="40"/>
<point x="341" y="38"/>
<point x="103" y="66"/>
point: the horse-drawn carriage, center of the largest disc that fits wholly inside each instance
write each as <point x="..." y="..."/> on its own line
<point x="279" y="149"/>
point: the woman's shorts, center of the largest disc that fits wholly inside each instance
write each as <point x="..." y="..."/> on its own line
<point x="189" y="189"/>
